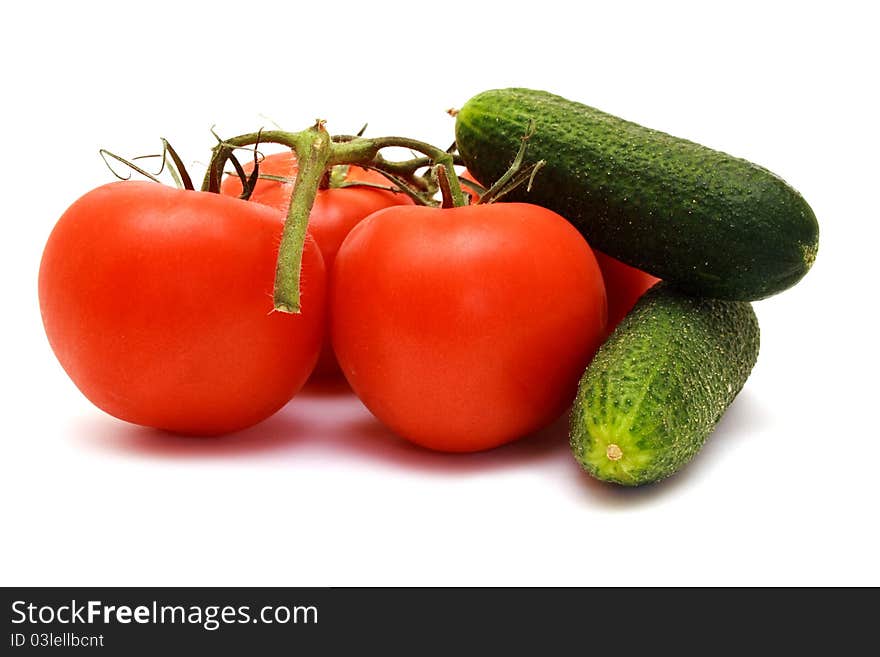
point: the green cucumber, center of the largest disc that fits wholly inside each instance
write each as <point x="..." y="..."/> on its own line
<point x="716" y="225"/>
<point x="659" y="385"/>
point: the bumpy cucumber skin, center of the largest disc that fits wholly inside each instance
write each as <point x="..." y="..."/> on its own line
<point x="659" y="385"/>
<point x="717" y="225"/>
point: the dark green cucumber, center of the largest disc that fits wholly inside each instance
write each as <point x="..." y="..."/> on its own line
<point x="659" y="385"/>
<point x="716" y="225"/>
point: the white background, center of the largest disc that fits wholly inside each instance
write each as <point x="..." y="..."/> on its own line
<point x="785" y="492"/>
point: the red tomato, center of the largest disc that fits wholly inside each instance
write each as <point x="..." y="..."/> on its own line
<point x="466" y="328"/>
<point x="335" y="213"/>
<point x="470" y="192"/>
<point x="158" y="304"/>
<point x="624" y="286"/>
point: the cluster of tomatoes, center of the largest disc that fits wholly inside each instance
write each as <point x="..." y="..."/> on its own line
<point x="460" y="328"/>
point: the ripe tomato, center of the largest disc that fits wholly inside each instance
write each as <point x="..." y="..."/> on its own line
<point x="624" y="286"/>
<point x="466" y="328"/>
<point x="335" y="213"/>
<point x="158" y="304"/>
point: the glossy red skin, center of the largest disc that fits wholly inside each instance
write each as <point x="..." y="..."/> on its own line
<point x="335" y="212"/>
<point x="624" y="285"/>
<point x="467" y="328"/>
<point x="158" y="304"/>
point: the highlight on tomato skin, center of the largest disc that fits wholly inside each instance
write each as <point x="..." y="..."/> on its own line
<point x="158" y="304"/>
<point x="336" y="211"/>
<point x="466" y="328"/>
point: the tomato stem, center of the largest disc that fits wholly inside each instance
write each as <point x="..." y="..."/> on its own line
<point x="313" y="151"/>
<point x="420" y="198"/>
<point x="445" y="187"/>
<point x="225" y="147"/>
<point x="435" y="155"/>
<point x="317" y="153"/>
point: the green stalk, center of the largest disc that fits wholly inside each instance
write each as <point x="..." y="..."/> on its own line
<point x="436" y="155"/>
<point x="313" y="151"/>
<point x="222" y="151"/>
<point x="316" y="153"/>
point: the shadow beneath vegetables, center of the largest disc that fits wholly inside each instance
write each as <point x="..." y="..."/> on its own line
<point x="275" y="434"/>
<point x="278" y="433"/>
<point x="326" y="424"/>
<point x="367" y="438"/>
<point x="745" y="416"/>
<point x="322" y="424"/>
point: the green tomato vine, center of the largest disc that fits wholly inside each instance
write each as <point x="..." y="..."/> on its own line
<point x="318" y="155"/>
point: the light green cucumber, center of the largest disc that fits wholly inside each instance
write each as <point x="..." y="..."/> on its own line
<point x="658" y="386"/>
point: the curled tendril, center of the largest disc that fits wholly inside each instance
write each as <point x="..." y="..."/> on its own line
<point x="176" y="169"/>
<point x="476" y="187"/>
<point x="271" y="120"/>
<point x="184" y="176"/>
<point x="403" y="186"/>
<point x="517" y="174"/>
<point x="340" y="139"/>
<point x="104" y="153"/>
<point x="369" y="185"/>
<point x="248" y="182"/>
